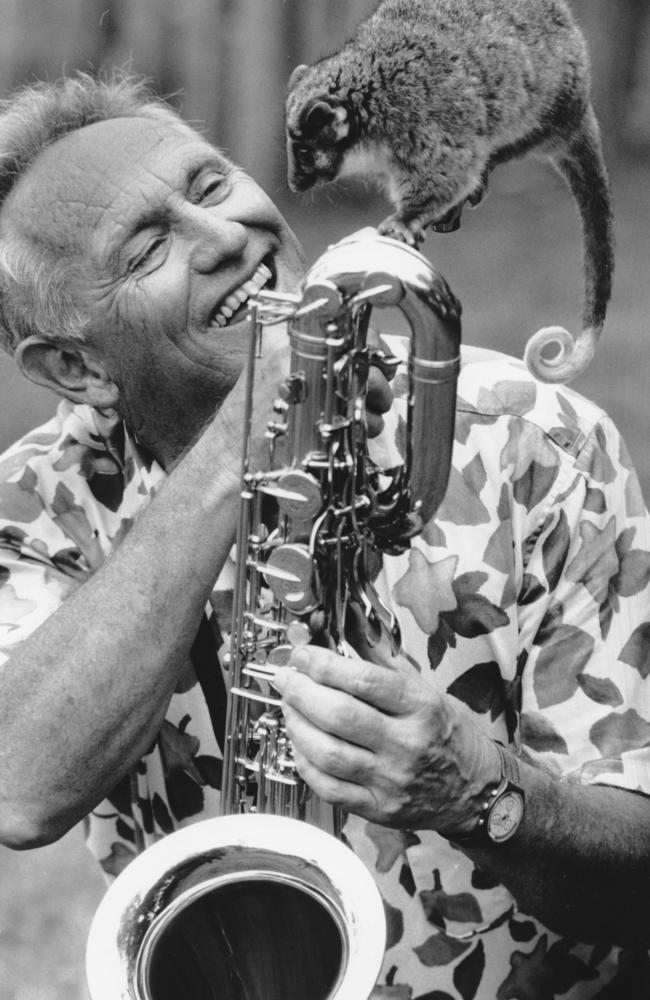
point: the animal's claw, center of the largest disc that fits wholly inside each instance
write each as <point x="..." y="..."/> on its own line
<point x="411" y="233"/>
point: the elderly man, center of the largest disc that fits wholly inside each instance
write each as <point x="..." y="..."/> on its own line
<point x="495" y="784"/>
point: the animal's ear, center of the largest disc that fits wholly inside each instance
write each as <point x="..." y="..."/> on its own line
<point x="297" y="75"/>
<point x="321" y="114"/>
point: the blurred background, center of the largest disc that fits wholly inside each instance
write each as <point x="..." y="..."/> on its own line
<point x="515" y="264"/>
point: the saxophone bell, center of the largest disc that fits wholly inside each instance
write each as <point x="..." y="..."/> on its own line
<point x="230" y="909"/>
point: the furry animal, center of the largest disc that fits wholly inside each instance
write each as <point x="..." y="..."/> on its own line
<point x="430" y="95"/>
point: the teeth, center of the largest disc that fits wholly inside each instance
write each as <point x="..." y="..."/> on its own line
<point x="235" y="299"/>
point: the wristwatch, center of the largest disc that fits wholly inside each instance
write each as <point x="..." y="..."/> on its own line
<point x="503" y="809"/>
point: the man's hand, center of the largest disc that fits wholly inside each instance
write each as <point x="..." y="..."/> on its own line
<point x="383" y="743"/>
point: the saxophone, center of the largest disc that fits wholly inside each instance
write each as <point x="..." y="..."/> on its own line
<point x="262" y="903"/>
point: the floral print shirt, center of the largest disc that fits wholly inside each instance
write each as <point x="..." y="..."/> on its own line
<point x="528" y="598"/>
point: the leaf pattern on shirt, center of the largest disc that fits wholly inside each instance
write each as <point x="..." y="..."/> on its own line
<point x="390" y="845"/>
<point x="554" y="659"/>
<point x="567" y="968"/>
<point x="533" y="461"/>
<point x="440" y="906"/>
<point x="634" y="566"/>
<point x="462" y="504"/>
<point x="116" y="861"/>
<point x="636" y="651"/>
<point x="555" y="549"/>
<point x="186" y="771"/>
<point x="474" y="614"/>
<point x="595" y="501"/>
<point x="539" y="734"/>
<point x="620" y="732"/>
<point x="531" y="975"/>
<point x="559" y="665"/>
<point x="596" y="563"/>
<point x="426" y="589"/>
<point x="19" y="500"/>
<point x="482" y="687"/>
<point x="507" y="396"/>
<point x="498" y="553"/>
<point x="73" y="520"/>
<point x="468" y="417"/>
<point x="394" y="924"/>
<point x="398" y="991"/>
<point x="534" y="485"/>
<point x="601" y="689"/>
<point x="12" y="607"/>
<point x="440" y="949"/>
<point x="469" y="972"/>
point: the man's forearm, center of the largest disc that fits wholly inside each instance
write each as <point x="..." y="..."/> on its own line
<point x="82" y="698"/>
<point x="580" y="862"/>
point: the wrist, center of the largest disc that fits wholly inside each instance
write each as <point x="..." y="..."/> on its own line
<point x="499" y="813"/>
<point x="482" y="775"/>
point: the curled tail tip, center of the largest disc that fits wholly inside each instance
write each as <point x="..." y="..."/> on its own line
<point x="553" y="355"/>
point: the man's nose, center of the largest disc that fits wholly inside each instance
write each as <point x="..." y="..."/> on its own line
<point x="215" y="238"/>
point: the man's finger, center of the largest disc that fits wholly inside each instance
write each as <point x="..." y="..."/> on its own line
<point x="347" y="795"/>
<point x="331" y="755"/>
<point x="393" y="692"/>
<point x="330" y="709"/>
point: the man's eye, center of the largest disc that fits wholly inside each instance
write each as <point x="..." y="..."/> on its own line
<point x="211" y="188"/>
<point x="147" y="254"/>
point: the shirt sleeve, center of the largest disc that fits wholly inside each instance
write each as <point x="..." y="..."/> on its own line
<point x="585" y="644"/>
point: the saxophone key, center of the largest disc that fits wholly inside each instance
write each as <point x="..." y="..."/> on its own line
<point x="289" y="571"/>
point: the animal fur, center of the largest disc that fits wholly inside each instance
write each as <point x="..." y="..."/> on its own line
<point x="430" y="95"/>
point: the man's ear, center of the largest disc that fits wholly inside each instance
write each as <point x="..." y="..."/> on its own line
<point x="69" y="371"/>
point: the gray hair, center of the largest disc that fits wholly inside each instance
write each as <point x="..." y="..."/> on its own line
<point x="34" y="295"/>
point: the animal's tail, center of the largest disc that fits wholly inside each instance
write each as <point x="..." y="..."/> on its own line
<point x="552" y="354"/>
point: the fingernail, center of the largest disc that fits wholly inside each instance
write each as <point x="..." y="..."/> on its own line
<point x="299" y="657"/>
<point x="279" y="678"/>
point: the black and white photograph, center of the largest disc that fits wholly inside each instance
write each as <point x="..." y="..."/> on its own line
<point x="324" y="485"/>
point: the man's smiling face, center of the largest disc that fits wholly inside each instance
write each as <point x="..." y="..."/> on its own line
<point x="166" y="241"/>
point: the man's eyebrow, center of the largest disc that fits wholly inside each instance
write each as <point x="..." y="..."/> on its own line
<point x="213" y="159"/>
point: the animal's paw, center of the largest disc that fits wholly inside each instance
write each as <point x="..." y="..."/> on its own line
<point x="398" y="228"/>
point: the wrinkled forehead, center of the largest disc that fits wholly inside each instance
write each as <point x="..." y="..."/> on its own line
<point x="103" y="167"/>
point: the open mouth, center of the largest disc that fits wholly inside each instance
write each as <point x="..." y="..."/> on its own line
<point x="235" y="306"/>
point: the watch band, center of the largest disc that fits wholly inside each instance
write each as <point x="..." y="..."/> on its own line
<point x="509" y="764"/>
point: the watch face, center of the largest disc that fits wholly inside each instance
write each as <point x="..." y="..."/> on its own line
<point x="505" y="816"/>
